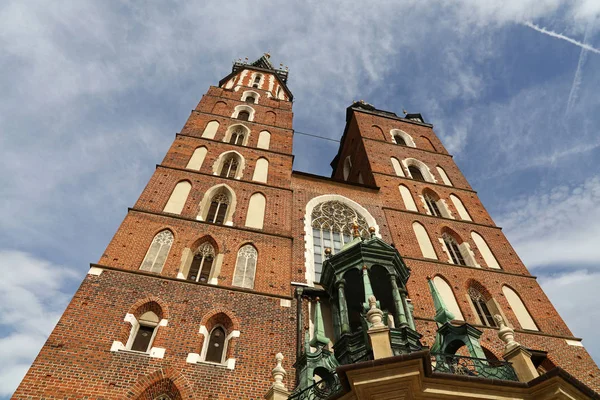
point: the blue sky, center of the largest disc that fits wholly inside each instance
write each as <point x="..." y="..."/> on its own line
<point x="93" y="93"/>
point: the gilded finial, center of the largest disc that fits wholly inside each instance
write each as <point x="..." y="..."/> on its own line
<point x="372" y="231"/>
<point x="355" y="229"/>
<point x="327" y="252"/>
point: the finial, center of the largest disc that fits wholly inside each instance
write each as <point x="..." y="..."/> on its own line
<point x="355" y="229"/>
<point x="319" y="339"/>
<point x="327" y="252"/>
<point x="268" y="55"/>
<point x="374" y="315"/>
<point x="278" y="372"/>
<point x="506" y="333"/>
<point x="404" y="111"/>
<point x="372" y="231"/>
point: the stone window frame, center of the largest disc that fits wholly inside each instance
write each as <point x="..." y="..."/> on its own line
<point x="463" y="246"/>
<point x="154" y="238"/>
<point x="244" y="107"/>
<point x="188" y="254"/>
<point x="220" y="161"/>
<point x="152" y="351"/>
<point x="251" y="93"/>
<point x="440" y="203"/>
<point x="207" y="198"/>
<point x="232" y="128"/>
<point x="407" y="138"/>
<point x="425" y="171"/>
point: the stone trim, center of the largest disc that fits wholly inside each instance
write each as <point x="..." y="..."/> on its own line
<point x="442" y="218"/>
<point x="495" y="271"/>
<point x="424" y="183"/>
<point x="236" y="145"/>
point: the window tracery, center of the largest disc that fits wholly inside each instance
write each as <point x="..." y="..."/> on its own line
<point x="237" y="136"/>
<point x="230" y="167"/>
<point x="245" y="267"/>
<point x="453" y="250"/>
<point x="202" y="263"/>
<point x="483" y="312"/>
<point x="157" y="253"/>
<point x="218" y="208"/>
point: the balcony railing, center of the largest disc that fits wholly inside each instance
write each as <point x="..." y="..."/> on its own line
<point x="324" y="389"/>
<point x="469" y="366"/>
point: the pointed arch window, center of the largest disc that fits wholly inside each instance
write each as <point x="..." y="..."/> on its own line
<point x="230" y="167"/>
<point x="481" y="307"/>
<point x="216" y="345"/>
<point x="416" y="174"/>
<point x="218" y="208"/>
<point x="202" y="264"/>
<point x="243" y="115"/>
<point x="157" y="253"/>
<point x="245" y="267"/>
<point x="432" y="205"/>
<point x="237" y="136"/>
<point x="453" y="250"/>
<point x="399" y="140"/>
<point x="332" y="223"/>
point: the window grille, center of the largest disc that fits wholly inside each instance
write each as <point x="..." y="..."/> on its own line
<point x="237" y="137"/>
<point x="432" y="205"/>
<point x="332" y="223"/>
<point x="454" y="250"/>
<point x="245" y="267"/>
<point x="202" y="263"/>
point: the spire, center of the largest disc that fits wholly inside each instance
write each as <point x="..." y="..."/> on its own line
<point x="442" y="314"/>
<point x="319" y="339"/>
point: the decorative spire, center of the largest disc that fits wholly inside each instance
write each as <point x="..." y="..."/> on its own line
<point x="355" y="231"/>
<point x="506" y="334"/>
<point x="442" y="314"/>
<point x="374" y="315"/>
<point x="279" y="373"/>
<point x="319" y="339"/>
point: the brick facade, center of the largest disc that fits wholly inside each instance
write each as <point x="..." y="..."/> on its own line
<point x="80" y="359"/>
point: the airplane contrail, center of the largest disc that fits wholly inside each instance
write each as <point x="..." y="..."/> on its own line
<point x="574" y="92"/>
<point x="560" y="36"/>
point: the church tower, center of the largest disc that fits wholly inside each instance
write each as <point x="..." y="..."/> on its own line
<point x="230" y="260"/>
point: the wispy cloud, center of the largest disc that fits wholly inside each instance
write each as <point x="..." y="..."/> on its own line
<point x="573" y="93"/>
<point x="562" y="37"/>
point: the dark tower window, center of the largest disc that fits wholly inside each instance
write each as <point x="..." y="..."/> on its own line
<point x="416" y="173"/>
<point x="230" y="167"/>
<point x="454" y="250"/>
<point x="237" y="137"/>
<point x="399" y="140"/>
<point x="256" y="81"/>
<point x="483" y="312"/>
<point x="243" y="115"/>
<point x="218" y="209"/>
<point x="142" y="338"/>
<point x="216" y="345"/>
<point x="202" y="264"/>
<point x="250" y="99"/>
<point x="432" y="205"/>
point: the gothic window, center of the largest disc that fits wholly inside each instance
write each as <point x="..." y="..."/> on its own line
<point x="485" y="251"/>
<point x="202" y="264"/>
<point x="399" y="140"/>
<point x="216" y="346"/>
<point x="256" y="211"/>
<point x="432" y="205"/>
<point x="261" y="171"/>
<point x="481" y="307"/>
<point x="210" y="130"/>
<point x="197" y="159"/>
<point x="407" y="198"/>
<point x="218" y="208"/>
<point x="245" y="267"/>
<point x="332" y="223"/>
<point x="264" y="140"/>
<point x="415" y="172"/>
<point x="447" y="294"/>
<point x="250" y="99"/>
<point x="518" y="307"/>
<point x="397" y="167"/>
<point x="237" y="136"/>
<point x="425" y="245"/>
<point x="453" y="250"/>
<point x="444" y="176"/>
<point x="462" y="211"/>
<point x="143" y="332"/>
<point x="178" y="197"/>
<point x="157" y="253"/>
<point x="243" y="115"/>
<point x="230" y="167"/>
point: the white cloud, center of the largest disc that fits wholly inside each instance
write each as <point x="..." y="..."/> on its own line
<point x="558" y="227"/>
<point x="33" y="295"/>
<point x="574" y="295"/>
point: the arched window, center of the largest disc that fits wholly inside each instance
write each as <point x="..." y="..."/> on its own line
<point x="431" y="203"/>
<point x="197" y="159"/>
<point x="230" y="167"/>
<point x="347" y="167"/>
<point x="399" y="140"/>
<point x="462" y="211"/>
<point x="178" y="197"/>
<point x="448" y="297"/>
<point x="257" y="80"/>
<point x="453" y="250"/>
<point x="264" y="139"/>
<point x="250" y="96"/>
<point x="256" y="211"/>
<point x="443" y="175"/>
<point x="210" y="130"/>
<point x="407" y="198"/>
<point x="424" y="243"/>
<point x="415" y="172"/>
<point x="237" y="136"/>
<point x="261" y="171"/>
<point x="142" y="333"/>
<point x="218" y="208"/>
<point x="485" y="251"/>
<point x="515" y="302"/>
<point x="157" y="253"/>
<point x="397" y="167"/>
<point x="245" y="267"/>
<point x="332" y="223"/>
<point x="202" y="263"/>
<point x="481" y="307"/>
<point x="250" y="99"/>
<point x="243" y="115"/>
<point x="215" y="352"/>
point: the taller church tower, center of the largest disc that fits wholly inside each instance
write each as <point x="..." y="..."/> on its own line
<point x="229" y="257"/>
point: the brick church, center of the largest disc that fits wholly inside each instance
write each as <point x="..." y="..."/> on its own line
<point x="235" y="277"/>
